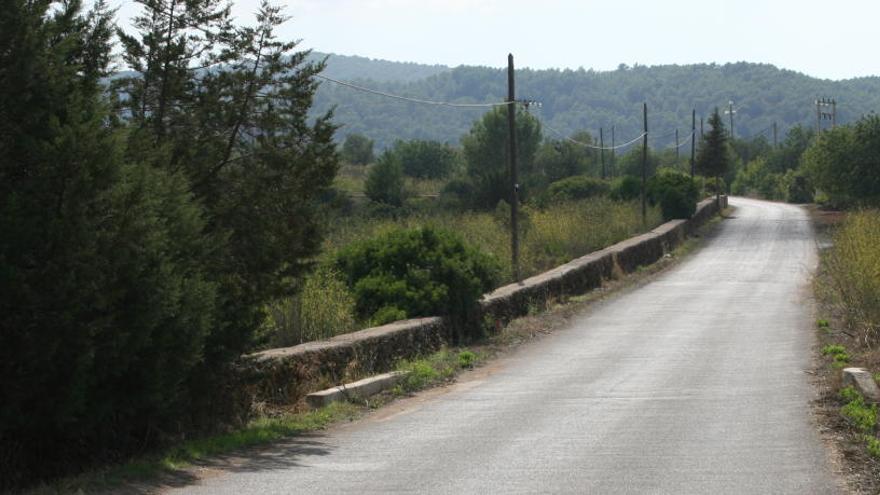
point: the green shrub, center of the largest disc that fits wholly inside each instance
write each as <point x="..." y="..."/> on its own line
<point x="626" y="188"/>
<point x="860" y="414"/>
<point x="357" y="149"/>
<point x="419" y="272"/>
<point x="675" y="192"/>
<point x="833" y="349"/>
<point x="574" y="188"/>
<point x="466" y="359"/>
<point x="385" y="181"/>
<point x="710" y="187"/>
<point x="797" y="186"/>
<point x="426" y="159"/>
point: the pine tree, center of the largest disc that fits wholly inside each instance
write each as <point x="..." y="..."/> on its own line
<point x="227" y="107"/>
<point x="713" y="158"/>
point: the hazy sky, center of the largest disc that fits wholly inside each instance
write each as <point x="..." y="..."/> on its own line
<point x="834" y="40"/>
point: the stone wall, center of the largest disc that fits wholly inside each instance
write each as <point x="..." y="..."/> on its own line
<point x="285" y="375"/>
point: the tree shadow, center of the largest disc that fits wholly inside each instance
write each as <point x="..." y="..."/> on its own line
<point x="284" y="454"/>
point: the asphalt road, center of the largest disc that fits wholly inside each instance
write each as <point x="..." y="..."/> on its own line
<point x="693" y="383"/>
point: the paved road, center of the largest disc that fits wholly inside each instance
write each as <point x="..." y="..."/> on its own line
<point x="693" y="383"/>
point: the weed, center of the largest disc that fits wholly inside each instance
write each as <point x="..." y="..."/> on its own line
<point x="833" y="349"/>
<point x="861" y="415"/>
<point x="873" y="445"/>
<point x="840" y="360"/>
<point x="466" y="359"/>
<point x="822" y="323"/>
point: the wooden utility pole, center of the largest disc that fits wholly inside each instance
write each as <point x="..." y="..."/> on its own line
<point x="701" y="127"/>
<point x="693" y="138"/>
<point x="613" y="163"/>
<point x="833" y="113"/>
<point x="645" y="168"/>
<point x="775" y="141"/>
<point x="514" y="180"/>
<point x="602" y="150"/>
<point x="818" y="117"/>
<point x="730" y="111"/>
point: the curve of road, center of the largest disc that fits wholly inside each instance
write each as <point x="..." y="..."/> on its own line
<point x="693" y="383"/>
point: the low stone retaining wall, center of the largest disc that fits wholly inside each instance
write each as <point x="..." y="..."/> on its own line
<point x="286" y="375"/>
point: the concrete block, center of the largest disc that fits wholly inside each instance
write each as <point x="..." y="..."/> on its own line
<point x="862" y="380"/>
<point x="358" y="390"/>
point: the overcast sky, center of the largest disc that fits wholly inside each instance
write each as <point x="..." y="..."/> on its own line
<point x="834" y="40"/>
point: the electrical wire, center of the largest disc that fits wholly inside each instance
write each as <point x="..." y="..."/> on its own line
<point x="590" y="145"/>
<point x="414" y="100"/>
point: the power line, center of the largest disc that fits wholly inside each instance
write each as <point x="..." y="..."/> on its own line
<point x="415" y="100"/>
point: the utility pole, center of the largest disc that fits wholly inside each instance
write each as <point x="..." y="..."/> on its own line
<point x="645" y="168"/>
<point x="701" y="127"/>
<point x="602" y="150"/>
<point x="833" y="113"/>
<point x="613" y="162"/>
<point x="514" y="180"/>
<point x="730" y="111"/>
<point x="822" y="113"/>
<point x="775" y="141"/>
<point x="693" y="138"/>
<point x="676" y="147"/>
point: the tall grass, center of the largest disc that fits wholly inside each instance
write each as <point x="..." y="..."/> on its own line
<point x="549" y="237"/>
<point x="854" y="268"/>
<point x="325" y="306"/>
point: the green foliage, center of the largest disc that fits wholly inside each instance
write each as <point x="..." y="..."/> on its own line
<point x="420" y="272"/>
<point x="822" y="323"/>
<point x="626" y="188"/>
<point x="558" y="159"/>
<point x="675" y="192"/>
<point x="843" y="162"/>
<point x="144" y="230"/>
<point x="426" y="159"/>
<point x="797" y="187"/>
<point x="713" y="156"/>
<point x="466" y="359"/>
<point x="873" y="445"/>
<point x="357" y="149"/>
<point x="575" y="188"/>
<point x="854" y="268"/>
<point x="487" y="150"/>
<point x="579" y="99"/>
<point x="860" y="414"/>
<point x="323" y="308"/>
<point x="385" y="180"/>
<point x="631" y="163"/>
<point x="106" y="296"/>
<point x="756" y="178"/>
<point x="833" y="350"/>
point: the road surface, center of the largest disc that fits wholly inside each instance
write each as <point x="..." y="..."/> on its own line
<point x="693" y="383"/>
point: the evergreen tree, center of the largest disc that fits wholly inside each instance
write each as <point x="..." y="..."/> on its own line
<point x="385" y="181"/>
<point x="227" y="107"/>
<point x="487" y="150"/>
<point x="357" y="149"/>
<point x="713" y="158"/>
<point x="105" y="302"/>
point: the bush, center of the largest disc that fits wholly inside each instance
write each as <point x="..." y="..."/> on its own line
<point x="357" y="149"/>
<point x="710" y="188"/>
<point x="417" y="272"/>
<point x="626" y="188"/>
<point x="798" y="188"/>
<point x="426" y="159"/>
<point x="675" y="192"/>
<point x="385" y="181"/>
<point x="574" y="188"/>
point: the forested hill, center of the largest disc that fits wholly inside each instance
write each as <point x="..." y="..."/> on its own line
<point x="574" y="100"/>
<point x="346" y="67"/>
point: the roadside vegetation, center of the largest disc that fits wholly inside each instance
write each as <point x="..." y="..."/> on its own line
<point x="842" y="164"/>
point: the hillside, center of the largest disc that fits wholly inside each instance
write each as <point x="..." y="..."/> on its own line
<point x="575" y="100"/>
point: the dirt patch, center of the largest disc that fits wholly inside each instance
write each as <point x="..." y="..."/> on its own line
<point x="859" y="469"/>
